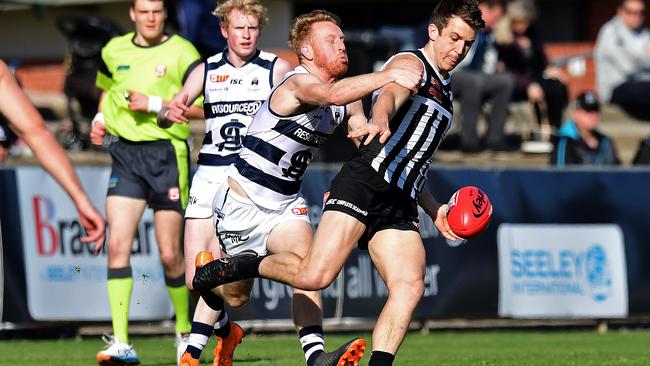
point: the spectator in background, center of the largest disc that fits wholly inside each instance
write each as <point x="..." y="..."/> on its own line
<point x="477" y="80"/>
<point x="195" y="23"/>
<point x="622" y="56"/>
<point x="29" y="125"/>
<point x="642" y="156"/>
<point x="7" y="138"/>
<point x="521" y="50"/>
<point x="579" y="142"/>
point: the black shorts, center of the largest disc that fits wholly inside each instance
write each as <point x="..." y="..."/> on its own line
<point x="155" y="171"/>
<point x="362" y="193"/>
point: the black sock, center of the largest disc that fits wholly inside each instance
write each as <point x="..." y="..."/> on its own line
<point x="214" y="301"/>
<point x="222" y="326"/>
<point x="312" y="342"/>
<point x="249" y="266"/>
<point x="380" y="358"/>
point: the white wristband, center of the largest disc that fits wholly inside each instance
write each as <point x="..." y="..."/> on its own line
<point x="99" y="117"/>
<point x="155" y="104"/>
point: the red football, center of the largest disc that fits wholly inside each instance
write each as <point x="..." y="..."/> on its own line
<point x="469" y="212"/>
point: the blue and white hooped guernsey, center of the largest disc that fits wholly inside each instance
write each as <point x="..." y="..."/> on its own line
<point x="232" y="97"/>
<point x="278" y="149"/>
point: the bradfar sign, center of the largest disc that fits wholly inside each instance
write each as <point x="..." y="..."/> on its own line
<point x="562" y="271"/>
<point x="64" y="280"/>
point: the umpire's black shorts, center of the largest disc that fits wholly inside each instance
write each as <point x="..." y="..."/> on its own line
<point x="155" y="171"/>
<point x="359" y="191"/>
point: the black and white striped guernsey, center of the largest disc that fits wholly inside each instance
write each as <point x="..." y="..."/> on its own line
<point x="417" y="129"/>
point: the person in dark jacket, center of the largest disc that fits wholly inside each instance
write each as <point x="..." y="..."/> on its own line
<point x="520" y="46"/>
<point x="579" y="142"/>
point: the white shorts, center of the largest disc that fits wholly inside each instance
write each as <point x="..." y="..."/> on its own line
<point x="205" y="182"/>
<point x="243" y="225"/>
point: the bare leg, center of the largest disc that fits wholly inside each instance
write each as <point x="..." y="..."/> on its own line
<point x="200" y="235"/>
<point x="295" y="237"/>
<point x="123" y="215"/>
<point x="405" y="284"/>
<point x="168" y="234"/>
<point x="335" y="238"/>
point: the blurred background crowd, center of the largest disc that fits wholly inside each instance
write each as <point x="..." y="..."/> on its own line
<point x="546" y="82"/>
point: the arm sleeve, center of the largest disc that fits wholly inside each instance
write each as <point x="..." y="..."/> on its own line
<point x="104" y="79"/>
<point x="562" y="154"/>
<point x="191" y="59"/>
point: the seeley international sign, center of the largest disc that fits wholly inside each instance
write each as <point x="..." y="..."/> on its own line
<point x="562" y="271"/>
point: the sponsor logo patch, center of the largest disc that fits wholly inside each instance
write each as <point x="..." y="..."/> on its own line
<point x="161" y="70"/>
<point x="300" y="211"/>
<point x="215" y="78"/>
<point x="221" y="109"/>
<point x="174" y="194"/>
<point x="193" y="200"/>
<point x="334" y="201"/>
<point x="255" y="83"/>
<point x="234" y="238"/>
<point x="112" y="183"/>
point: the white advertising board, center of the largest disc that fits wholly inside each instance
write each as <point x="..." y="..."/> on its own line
<point x="65" y="281"/>
<point x="562" y="271"/>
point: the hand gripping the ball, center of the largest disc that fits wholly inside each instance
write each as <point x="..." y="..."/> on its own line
<point x="469" y="212"/>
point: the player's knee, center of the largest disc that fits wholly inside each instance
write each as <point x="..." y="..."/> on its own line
<point x="314" y="281"/>
<point x="237" y="300"/>
<point x="115" y="248"/>
<point x="188" y="281"/>
<point x="189" y="276"/>
<point x="408" y="290"/>
<point x="169" y="259"/>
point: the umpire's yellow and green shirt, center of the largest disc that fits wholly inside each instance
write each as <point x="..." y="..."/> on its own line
<point x="158" y="70"/>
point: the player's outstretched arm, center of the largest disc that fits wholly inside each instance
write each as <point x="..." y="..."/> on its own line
<point x="29" y="125"/>
<point x="180" y="108"/>
<point x="357" y="122"/>
<point x="391" y="97"/>
<point x="309" y="89"/>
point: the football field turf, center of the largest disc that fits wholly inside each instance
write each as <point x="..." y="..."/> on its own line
<point x="437" y="348"/>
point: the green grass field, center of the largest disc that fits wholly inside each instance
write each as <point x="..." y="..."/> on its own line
<point x="438" y="348"/>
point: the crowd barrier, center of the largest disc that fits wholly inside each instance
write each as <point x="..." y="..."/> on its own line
<point x="561" y="244"/>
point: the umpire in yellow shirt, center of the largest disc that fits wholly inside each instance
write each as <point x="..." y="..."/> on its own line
<point x="140" y="72"/>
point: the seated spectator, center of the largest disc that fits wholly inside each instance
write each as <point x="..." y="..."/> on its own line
<point x="476" y="81"/>
<point x="7" y="139"/>
<point x="579" y="142"/>
<point x="521" y="50"/>
<point x="196" y="23"/>
<point x="622" y="56"/>
<point x="642" y="156"/>
<point x="5" y="143"/>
